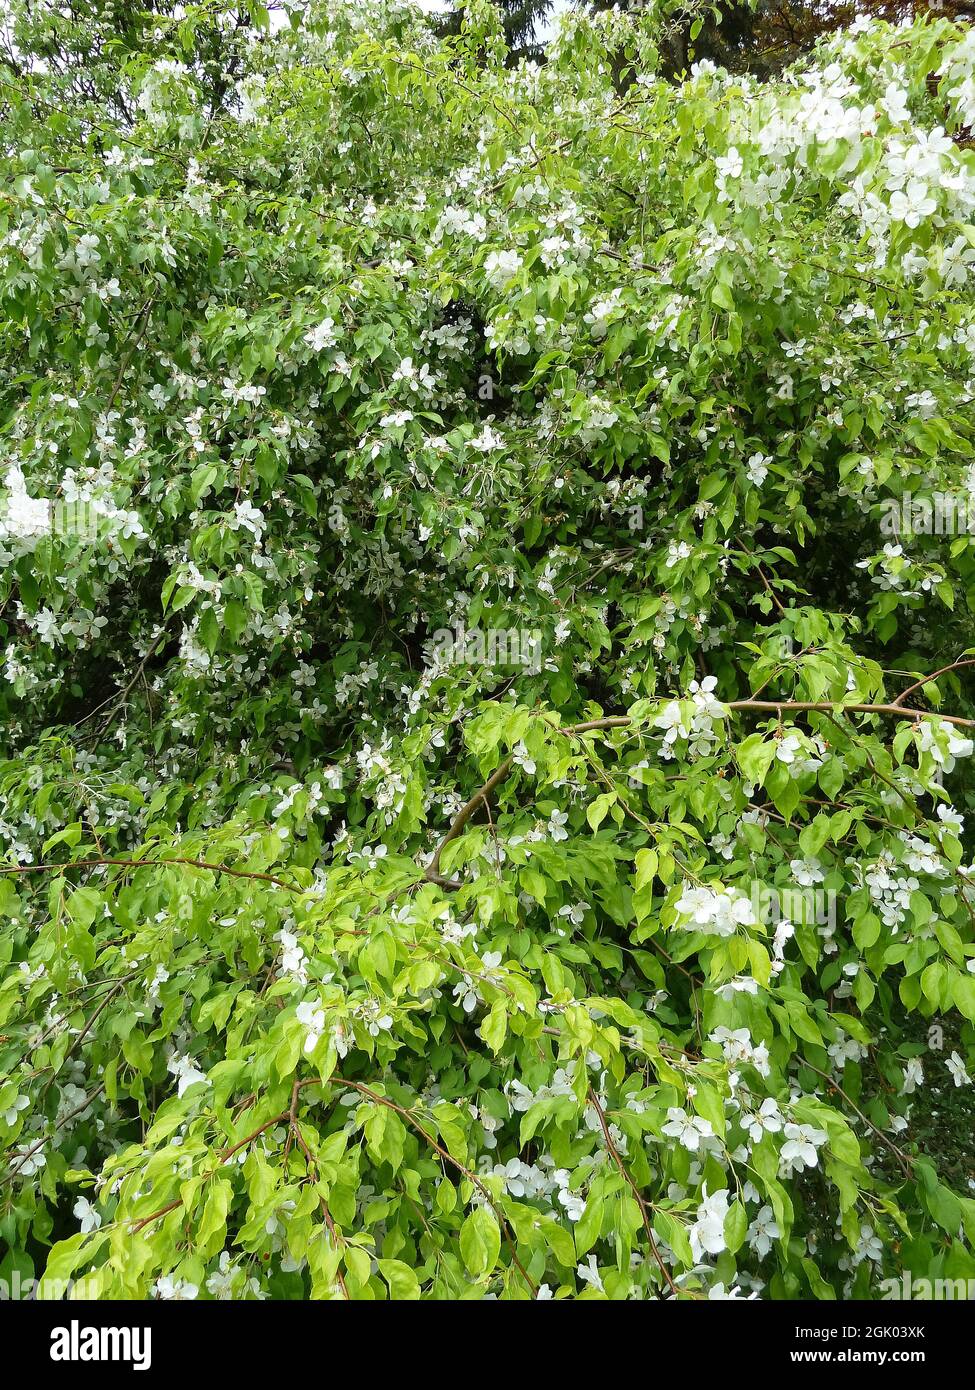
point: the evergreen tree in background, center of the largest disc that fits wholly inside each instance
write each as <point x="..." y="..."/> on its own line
<point x="758" y="36"/>
<point x="521" y="19"/>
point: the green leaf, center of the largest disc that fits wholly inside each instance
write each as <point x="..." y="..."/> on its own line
<point x="402" y="1281"/>
<point x="735" y="1226"/>
<point x="963" y="994"/>
<point x="480" y="1242"/>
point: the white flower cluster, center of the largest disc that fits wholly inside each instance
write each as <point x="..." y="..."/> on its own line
<point x="185" y="1072"/>
<point x="312" y="1019"/>
<point x="692" y="719"/>
<point x="715" y="911"/>
<point x="890" y="887"/>
<point x="373" y="1015"/>
<point x="943" y="742"/>
<point x="738" y="1049"/>
<point x="293" y="960"/>
<point x="22" y="517"/>
<point x="465" y="990"/>
<point x="707" y="1233"/>
<point x="521" y="1097"/>
<point x="161" y="86"/>
<point x="800" y="1149"/>
<point x="690" y="1130"/>
<point x="539" y="1181"/>
<point x="500" y="267"/>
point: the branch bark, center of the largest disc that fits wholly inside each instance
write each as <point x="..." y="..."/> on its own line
<point x="622" y="721"/>
<point x="147" y="864"/>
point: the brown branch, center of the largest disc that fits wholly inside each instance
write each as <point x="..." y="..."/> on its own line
<point x="92" y="1020"/>
<point x="448" y="1157"/>
<point x="614" y="1154"/>
<point x="225" y="1157"/>
<point x="295" y="1130"/>
<point x="465" y="813"/>
<point x="48" y="1137"/>
<point x="623" y="721"/>
<point x="955" y="665"/>
<point x="141" y="325"/>
<point x="899" y="1154"/>
<point x="148" y="864"/>
<point x="337" y="1240"/>
<point x="893" y="711"/>
<point x="764" y="578"/>
<point x="117" y="700"/>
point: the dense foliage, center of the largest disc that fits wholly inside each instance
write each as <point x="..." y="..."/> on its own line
<point x="755" y="36"/>
<point x="485" y="703"/>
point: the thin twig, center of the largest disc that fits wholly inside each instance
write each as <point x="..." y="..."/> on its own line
<point x="142" y="324"/>
<point x="899" y="1154"/>
<point x="147" y="864"/>
<point x="622" y="721"/>
<point x="955" y="665"/>
<point x="48" y="1137"/>
<point x="615" y="1156"/>
<point x="225" y="1157"/>
<point x="448" y="1157"/>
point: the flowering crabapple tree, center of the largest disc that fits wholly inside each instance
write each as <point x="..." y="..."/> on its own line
<point x="344" y="958"/>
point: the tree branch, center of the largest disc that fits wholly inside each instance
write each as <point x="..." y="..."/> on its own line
<point x="623" y="721"/>
<point x="148" y="864"/>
